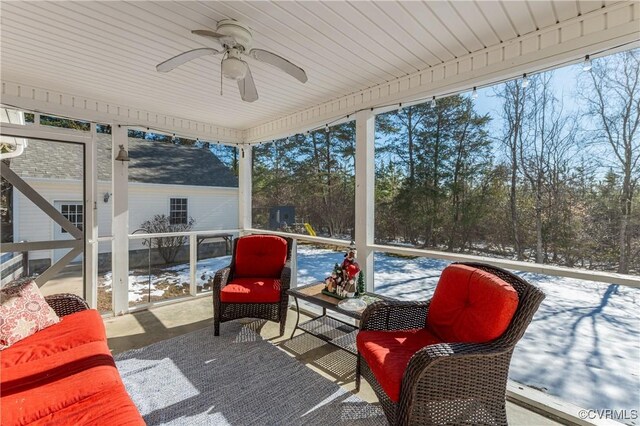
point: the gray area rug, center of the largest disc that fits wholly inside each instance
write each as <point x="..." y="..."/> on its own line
<point x="234" y="379"/>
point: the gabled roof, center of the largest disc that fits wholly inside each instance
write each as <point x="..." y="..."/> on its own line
<point x="151" y="162"/>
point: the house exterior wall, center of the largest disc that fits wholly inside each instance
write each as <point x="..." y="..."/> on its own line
<point x="211" y="208"/>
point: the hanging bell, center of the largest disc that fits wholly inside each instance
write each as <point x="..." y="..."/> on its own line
<point x="123" y="155"/>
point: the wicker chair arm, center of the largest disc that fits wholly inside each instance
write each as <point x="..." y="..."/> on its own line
<point x="220" y="279"/>
<point x="450" y="352"/>
<point x="66" y="303"/>
<point x="285" y="276"/>
<point x="469" y="370"/>
<point x="394" y="315"/>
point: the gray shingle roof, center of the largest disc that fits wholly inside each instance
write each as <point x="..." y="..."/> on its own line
<point x="151" y="162"/>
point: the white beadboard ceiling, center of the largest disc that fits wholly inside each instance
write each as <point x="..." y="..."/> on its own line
<point x="108" y="50"/>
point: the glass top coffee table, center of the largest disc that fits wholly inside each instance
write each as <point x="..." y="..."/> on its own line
<point x="324" y="327"/>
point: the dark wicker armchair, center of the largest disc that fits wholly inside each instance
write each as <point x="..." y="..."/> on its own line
<point x="450" y="383"/>
<point x="255" y="284"/>
<point x="66" y="303"/>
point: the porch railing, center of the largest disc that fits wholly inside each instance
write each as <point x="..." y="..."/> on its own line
<point x="13" y="265"/>
<point x="192" y="242"/>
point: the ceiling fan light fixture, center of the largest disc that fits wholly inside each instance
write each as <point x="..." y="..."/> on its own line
<point x="234" y="69"/>
<point x="236" y="41"/>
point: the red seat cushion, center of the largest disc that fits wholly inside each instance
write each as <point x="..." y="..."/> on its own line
<point x="471" y="305"/>
<point x="387" y="354"/>
<point x="50" y="375"/>
<point x="251" y="290"/>
<point x="112" y="406"/>
<point x="260" y="256"/>
<point x="72" y="330"/>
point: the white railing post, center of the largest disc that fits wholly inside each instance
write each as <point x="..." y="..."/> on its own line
<point x="365" y="193"/>
<point x="294" y="263"/>
<point x="244" y="188"/>
<point x="193" y="264"/>
<point x="91" y="219"/>
<point x="120" y="222"/>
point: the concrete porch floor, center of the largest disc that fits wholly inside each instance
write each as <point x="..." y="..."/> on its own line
<point x="164" y="322"/>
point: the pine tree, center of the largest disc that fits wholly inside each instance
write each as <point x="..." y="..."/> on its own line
<point x="361" y="287"/>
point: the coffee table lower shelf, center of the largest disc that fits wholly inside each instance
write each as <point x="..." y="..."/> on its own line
<point x="332" y="331"/>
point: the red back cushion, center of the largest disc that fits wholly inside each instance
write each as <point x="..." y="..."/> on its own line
<point x="471" y="305"/>
<point x="261" y="256"/>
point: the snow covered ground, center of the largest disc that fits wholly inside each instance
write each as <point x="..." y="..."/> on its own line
<point x="582" y="346"/>
<point x="139" y="287"/>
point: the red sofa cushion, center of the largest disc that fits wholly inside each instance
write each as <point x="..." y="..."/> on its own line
<point x="57" y="369"/>
<point x="251" y="290"/>
<point x="72" y="330"/>
<point x="387" y="354"/>
<point x="471" y="305"/>
<point x="260" y="256"/>
<point x="112" y="406"/>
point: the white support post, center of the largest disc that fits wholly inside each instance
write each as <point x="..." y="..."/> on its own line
<point x="294" y="263"/>
<point x="365" y="193"/>
<point x="193" y="264"/>
<point x="244" y="188"/>
<point x="120" y="222"/>
<point x="91" y="219"/>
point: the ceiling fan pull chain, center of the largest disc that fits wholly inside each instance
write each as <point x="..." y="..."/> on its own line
<point x="221" y="76"/>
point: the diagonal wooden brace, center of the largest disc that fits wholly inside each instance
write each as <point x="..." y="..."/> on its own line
<point x="58" y="266"/>
<point x="37" y="199"/>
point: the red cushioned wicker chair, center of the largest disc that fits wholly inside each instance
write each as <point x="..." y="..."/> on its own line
<point x="255" y="284"/>
<point x="446" y="361"/>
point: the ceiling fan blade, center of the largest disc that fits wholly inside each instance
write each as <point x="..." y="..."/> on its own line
<point x="248" y="91"/>
<point x="279" y="62"/>
<point x="182" y="58"/>
<point x="220" y="38"/>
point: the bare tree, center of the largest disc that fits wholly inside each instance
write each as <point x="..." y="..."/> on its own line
<point x="168" y="247"/>
<point x="512" y="95"/>
<point x="613" y="99"/>
<point x="544" y="148"/>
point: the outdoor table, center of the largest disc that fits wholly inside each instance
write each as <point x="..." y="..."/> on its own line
<point x="332" y="330"/>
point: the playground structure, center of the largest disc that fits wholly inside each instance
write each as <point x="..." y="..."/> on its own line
<point x="309" y="229"/>
<point x="299" y="228"/>
<point x="283" y="218"/>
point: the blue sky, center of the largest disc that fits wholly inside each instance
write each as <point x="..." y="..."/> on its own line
<point x="564" y="82"/>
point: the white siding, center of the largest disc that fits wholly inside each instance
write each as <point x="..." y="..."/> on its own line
<point x="31" y="223"/>
<point x="211" y="208"/>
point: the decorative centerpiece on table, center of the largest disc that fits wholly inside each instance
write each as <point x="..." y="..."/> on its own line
<point x="346" y="279"/>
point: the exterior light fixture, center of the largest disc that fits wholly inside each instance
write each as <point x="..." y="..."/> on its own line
<point x="123" y="155"/>
<point x="400" y="107"/>
<point x="433" y="102"/>
<point x="587" y="64"/>
<point x="474" y="93"/>
<point x="525" y="81"/>
<point x="326" y="128"/>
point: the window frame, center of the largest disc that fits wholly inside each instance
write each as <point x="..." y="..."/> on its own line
<point x="77" y="205"/>
<point x="173" y="212"/>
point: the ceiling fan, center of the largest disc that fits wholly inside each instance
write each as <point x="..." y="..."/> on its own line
<point x="235" y="39"/>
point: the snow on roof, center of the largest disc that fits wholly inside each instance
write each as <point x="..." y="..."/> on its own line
<point x="151" y="162"/>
